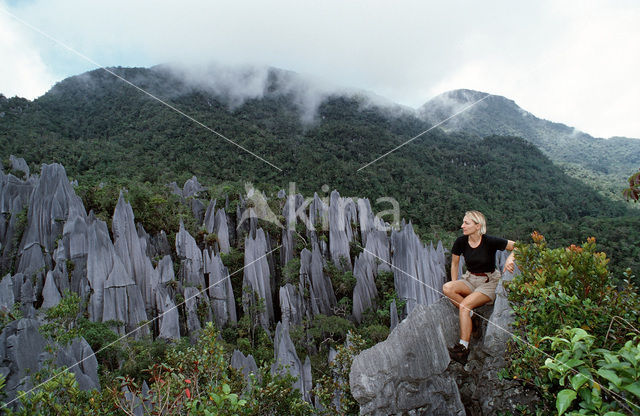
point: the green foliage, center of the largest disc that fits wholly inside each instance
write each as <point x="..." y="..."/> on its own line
<point x="153" y="204"/>
<point x="193" y="380"/>
<point x="197" y="379"/>
<point x="59" y="395"/>
<point x="336" y="383"/>
<point x="251" y="336"/>
<point x="604" y="382"/>
<point x="343" y="282"/>
<point x="291" y="271"/>
<point x="329" y="330"/>
<point x="377" y="320"/>
<point x="274" y="395"/>
<point x="62" y="319"/>
<point x="7" y="316"/>
<point x="140" y="355"/>
<point x="102" y="340"/>
<point x="558" y="289"/>
<point x="617" y="237"/>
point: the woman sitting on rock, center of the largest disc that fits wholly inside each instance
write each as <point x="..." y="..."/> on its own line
<point x="478" y="285"/>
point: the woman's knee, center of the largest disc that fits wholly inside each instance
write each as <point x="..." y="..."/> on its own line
<point x="447" y="288"/>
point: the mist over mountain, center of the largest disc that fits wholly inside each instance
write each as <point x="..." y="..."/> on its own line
<point x="607" y="162"/>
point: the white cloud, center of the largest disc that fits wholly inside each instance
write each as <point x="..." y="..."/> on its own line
<point x="22" y="71"/>
<point x="585" y="76"/>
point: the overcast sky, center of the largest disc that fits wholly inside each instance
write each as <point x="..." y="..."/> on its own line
<point x="574" y="62"/>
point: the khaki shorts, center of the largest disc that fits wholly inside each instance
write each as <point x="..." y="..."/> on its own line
<point x="480" y="284"/>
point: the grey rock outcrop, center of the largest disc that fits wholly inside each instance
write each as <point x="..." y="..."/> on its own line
<point x="132" y="251"/>
<point x="405" y="372"/>
<point x="191" y="267"/>
<point x="114" y="293"/>
<point x="52" y="201"/>
<point x="292" y="307"/>
<point x="221" y="229"/>
<point x="7" y="298"/>
<point x="491" y="354"/>
<point x="50" y="293"/>
<point x="410" y="376"/>
<point x="287" y="361"/>
<point x="197" y="306"/>
<point x="192" y="187"/>
<point x="165" y="270"/>
<point x="312" y="277"/>
<point x="80" y="359"/>
<point x="318" y="214"/>
<point x="257" y="275"/>
<point x="373" y="259"/>
<point x="23" y="352"/>
<point x="19" y="164"/>
<point x="393" y="314"/>
<point x="246" y="364"/>
<point x="365" y="291"/>
<point x="215" y="221"/>
<point x="342" y="212"/>
<point x="419" y="271"/>
<point x="198" y="209"/>
<point x="14" y="200"/>
<point x="220" y="290"/>
<point x="169" y="325"/>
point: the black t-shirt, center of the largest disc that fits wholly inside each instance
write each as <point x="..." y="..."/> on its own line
<point x="481" y="259"/>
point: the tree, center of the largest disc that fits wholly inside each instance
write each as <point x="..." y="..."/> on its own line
<point x="633" y="191"/>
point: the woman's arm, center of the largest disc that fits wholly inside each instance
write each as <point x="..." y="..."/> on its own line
<point x="455" y="262"/>
<point x="509" y="264"/>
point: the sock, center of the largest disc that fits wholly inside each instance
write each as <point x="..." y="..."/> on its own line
<point x="464" y="343"/>
<point x="470" y="313"/>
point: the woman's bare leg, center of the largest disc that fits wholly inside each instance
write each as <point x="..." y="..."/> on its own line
<point x="469" y="303"/>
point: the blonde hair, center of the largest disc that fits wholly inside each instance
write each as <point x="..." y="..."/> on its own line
<point x="478" y="218"/>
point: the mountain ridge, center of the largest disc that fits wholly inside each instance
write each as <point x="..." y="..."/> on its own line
<point x="606" y="162"/>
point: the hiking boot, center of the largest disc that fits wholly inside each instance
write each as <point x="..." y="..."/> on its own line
<point x="476" y="325"/>
<point x="459" y="353"/>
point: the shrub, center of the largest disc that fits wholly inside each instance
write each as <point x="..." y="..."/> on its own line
<point x="329" y="329"/>
<point x="197" y="379"/>
<point x="291" y="271"/>
<point x="559" y="289"/>
<point x="342" y="282"/>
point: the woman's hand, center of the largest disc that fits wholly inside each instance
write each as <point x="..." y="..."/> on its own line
<point x="510" y="264"/>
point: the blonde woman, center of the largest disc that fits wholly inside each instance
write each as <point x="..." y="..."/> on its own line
<point x="478" y="285"/>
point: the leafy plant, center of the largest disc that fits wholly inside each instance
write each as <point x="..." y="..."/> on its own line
<point x="604" y="382"/>
<point x="563" y="288"/>
<point x="633" y="191"/>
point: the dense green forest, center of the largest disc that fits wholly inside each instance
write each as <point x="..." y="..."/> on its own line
<point x="107" y="132"/>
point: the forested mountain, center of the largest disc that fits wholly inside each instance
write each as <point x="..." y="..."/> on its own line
<point x="106" y="131"/>
<point x="603" y="163"/>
